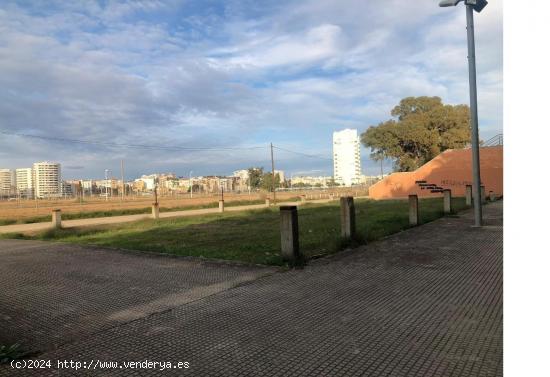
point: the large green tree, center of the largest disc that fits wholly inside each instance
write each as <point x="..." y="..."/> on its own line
<point x="421" y="128"/>
<point x="255" y="177"/>
<point x="267" y="181"/>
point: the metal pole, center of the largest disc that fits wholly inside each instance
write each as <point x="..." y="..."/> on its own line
<point x="272" y="173"/>
<point x="122" y="177"/>
<point x="156" y="196"/>
<point x="473" y="117"/>
<point x="191" y="183"/>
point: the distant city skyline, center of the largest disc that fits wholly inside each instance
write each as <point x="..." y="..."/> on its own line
<point x="226" y="74"/>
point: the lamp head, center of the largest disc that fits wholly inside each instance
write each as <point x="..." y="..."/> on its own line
<point x="449" y="3"/>
<point x="478" y="5"/>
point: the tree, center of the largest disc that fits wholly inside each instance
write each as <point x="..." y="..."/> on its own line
<point x="255" y="177"/>
<point x="267" y="179"/>
<point x="422" y="128"/>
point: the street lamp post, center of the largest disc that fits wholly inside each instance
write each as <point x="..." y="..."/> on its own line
<point x="478" y="6"/>
<point x="191" y="183"/>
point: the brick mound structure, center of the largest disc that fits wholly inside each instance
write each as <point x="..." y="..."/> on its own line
<point x="452" y="170"/>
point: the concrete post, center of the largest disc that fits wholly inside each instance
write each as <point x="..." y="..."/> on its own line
<point x="446" y="201"/>
<point x="492" y="196"/>
<point x="220" y="206"/>
<point x="290" y="244"/>
<point x="347" y="217"/>
<point x="56" y="218"/>
<point x="155" y="211"/>
<point x="267" y="202"/>
<point x="302" y="198"/>
<point x="469" y="195"/>
<point x="413" y="210"/>
<point x="483" y="197"/>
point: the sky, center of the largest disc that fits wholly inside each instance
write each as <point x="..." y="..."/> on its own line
<point x="215" y="82"/>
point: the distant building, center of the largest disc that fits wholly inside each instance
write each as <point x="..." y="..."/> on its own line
<point x="148" y="182"/>
<point x="7" y="182"/>
<point x="47" y="179"/>
<point x="281" y="175"/>
<point x="24" y="182"/>
<point x="243" y="174"/>
<point x="308" y="181"/>
<point x="346" y="156"/>
<point x="70" y="188"/>
<point x="88" y="187"/>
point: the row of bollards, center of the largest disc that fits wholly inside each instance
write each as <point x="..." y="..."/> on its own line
<point x="469" y="195"/>
<point x="290" y="244"/>
<point x="414" y="213"/>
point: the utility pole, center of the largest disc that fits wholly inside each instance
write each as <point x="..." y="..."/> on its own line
<point x="272" y="173"/>
<point x="122" y="177"/>
<point x="191" y="183"/>
<point x="156" y="197"/>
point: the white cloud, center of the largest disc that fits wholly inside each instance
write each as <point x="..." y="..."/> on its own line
<point x="233" y="73"/>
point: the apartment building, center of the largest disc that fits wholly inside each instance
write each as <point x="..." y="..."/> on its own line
<point x="47" y="179"/>
<point x="346" y="157"/>
<point x="24" y="182"/>
<point x="7" y="182"/>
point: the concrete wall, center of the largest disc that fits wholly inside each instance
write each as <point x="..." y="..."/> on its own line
<point x="452" y="170"/>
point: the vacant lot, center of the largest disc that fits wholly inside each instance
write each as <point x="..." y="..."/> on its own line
<point x="250" y="236"/>
<point x="30" y="211"/>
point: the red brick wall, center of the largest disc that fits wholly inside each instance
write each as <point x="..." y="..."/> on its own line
<point x="452" y="169"/>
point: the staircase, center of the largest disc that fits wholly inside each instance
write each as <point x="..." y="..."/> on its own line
<point x="451" y="170"/>
<point x="429" y="186"/>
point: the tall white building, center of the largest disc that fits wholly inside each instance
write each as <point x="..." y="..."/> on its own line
<point x="346" y="157"/>
<point x="281" y="175"/>
<point x="7" y="182"/>
<point x="24" y="182"/>
<point x="47" y="179"/>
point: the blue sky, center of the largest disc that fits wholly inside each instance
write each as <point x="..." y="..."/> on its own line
<point x="231" y="76"/>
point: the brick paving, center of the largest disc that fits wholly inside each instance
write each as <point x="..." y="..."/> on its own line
<point x="56" y="293"/>
<point x="424" y="302"/>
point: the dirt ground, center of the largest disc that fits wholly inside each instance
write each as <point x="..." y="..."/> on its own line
<point x="16" y="210"/>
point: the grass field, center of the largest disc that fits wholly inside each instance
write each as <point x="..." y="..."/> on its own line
<point x="131" y="211"/>
<point x="250" y="236"/>
<point x="30" y="211"/>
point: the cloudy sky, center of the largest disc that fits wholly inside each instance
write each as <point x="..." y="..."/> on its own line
<point x="216" y="81"/>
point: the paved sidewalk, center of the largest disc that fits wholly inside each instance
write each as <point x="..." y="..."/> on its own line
<point x="57" y="293"/>
<point x="424" y="302"/>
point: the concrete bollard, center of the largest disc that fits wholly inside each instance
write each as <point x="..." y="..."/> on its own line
<point x="155" y="211"/>
<point x="492" y="196"/>
<point x="483" y="197"/>
<point x="56" y="218"/>
<point x="413" y="210"/>
<point x="469" y="195"/>
<point x="221" y="205"/>
<point x="267" y="202"/>
<point x="302" y="198"/>
<point x="290" y="243"/>
<point x="446" y="201"/>
<point x="347" y="217"/>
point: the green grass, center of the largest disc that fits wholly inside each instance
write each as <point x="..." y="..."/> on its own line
<point x="131" y="211"/>
<point x="251" y="236"/>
